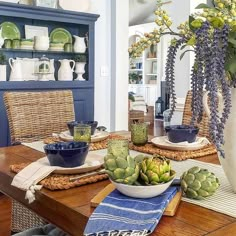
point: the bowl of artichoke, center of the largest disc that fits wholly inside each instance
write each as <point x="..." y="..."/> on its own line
<point x="140" y="176"/>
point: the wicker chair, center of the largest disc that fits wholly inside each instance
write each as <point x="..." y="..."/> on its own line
<point x="34" y="116"/>
<point x="187" y="115"/>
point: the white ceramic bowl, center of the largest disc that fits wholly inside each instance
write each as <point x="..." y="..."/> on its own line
<point x="142" y="191"/>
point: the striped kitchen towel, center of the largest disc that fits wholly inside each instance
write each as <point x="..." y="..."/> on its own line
<point x="122" y="215"/>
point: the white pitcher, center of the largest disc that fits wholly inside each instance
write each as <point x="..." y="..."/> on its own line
<point x="79" y="45"/>
<point x="1" y="38"/>
<point x="16" y="70"/>
<point x="65" y="71"/>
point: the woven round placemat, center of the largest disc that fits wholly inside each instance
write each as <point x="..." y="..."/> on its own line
<point x="61" y="182"/>
<point x="175" y="155"/>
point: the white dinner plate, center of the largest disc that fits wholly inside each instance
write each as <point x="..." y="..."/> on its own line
<point x="92" y="162"/>
<point x="98" y="136"/>
<point x="163" y="142"/>
<point x="75" y="5"/>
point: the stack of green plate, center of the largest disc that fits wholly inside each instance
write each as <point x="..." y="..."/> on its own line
<point x="27" y="44"/>
<point x="55" y="46"/>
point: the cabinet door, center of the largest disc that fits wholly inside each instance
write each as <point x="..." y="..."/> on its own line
<point x="141" y="90"/>
<point x="132" y="89"/>
<point x="151" y="93"/>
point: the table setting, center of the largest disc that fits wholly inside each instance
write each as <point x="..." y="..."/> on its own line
<point x="142" y="183"/>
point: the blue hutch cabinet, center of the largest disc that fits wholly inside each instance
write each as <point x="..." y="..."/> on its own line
<point x="76" y="23"/>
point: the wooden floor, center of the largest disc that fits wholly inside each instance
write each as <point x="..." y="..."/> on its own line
<point x="5" y="215"/>
<point x="5" y="202"/>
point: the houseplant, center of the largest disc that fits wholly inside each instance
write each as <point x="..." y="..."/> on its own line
<point x="3" y="67"/>
<point x="133" y="78"/>
<point x="211" y="34"/>
<point x="80" y="62"/>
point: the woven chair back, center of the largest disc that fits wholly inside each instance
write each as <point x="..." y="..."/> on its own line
<point x="187" y="115"/>
<point x="34" y="116"/>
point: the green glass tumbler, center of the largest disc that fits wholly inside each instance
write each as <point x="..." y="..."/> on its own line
<point x="82" y="133"/>
<point x="68" y="47"/>
<point x="8" y="43"/>
<point x="15" y="43"/>
<point x="118" y="147"/>
<point x="139" y="133"/>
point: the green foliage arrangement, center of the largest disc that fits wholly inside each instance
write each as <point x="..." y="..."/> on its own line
<point x="3" y="60"/>
<point x="80" y="58"/>
<point x="211" y="34"/>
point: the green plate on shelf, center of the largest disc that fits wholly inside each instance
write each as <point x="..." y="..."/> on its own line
<point x="60" y="35"/>
<point x="10" y="30"/>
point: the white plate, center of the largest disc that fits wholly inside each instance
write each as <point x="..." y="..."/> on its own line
<point x="12" y="1"/>
<point x="98" y="136"/>
<point x="31" y="31"/>
<point x="163" y="142"/>
<point x="75" y="5"/>
<point x="57" y="49"/>
<point x="27" y="47"/>
<point x="93" y="162"/>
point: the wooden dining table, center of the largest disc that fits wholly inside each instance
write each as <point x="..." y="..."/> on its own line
<point x="70" y="209"/>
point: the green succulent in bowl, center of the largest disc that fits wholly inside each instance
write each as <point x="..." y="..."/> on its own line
<point x="156" y="170"/>
<point x="121" y="169"/>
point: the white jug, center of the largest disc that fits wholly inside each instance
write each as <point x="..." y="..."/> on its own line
<point x="79" y="45"/>
<point x="65" y="71"/>
<point x="16" y="70"/>
<point x="1" y="39"/>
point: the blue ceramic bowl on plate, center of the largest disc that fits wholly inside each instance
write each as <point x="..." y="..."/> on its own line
<point x="181" y="133"/>
<point x="68" y="154"/>
<point x="72" y="124"/>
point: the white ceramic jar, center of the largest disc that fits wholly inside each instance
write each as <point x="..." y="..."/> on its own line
<point x="41" y="43"/>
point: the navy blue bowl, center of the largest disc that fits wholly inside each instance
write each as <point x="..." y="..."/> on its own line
<point x="72" y="124"/>
<point x="181" y="133"/>
<point x="68" y="154"/>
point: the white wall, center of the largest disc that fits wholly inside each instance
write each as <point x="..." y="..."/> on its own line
<point x="120" y="65"/>
<point x="111" y="53"/>
<point x="102" y="59"/>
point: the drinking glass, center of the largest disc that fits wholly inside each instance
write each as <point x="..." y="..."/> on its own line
<point x="68" y="47"/>
<point x="139" y="133"/>
<point x="118" y="147"/>
<point x="15" y="43"/>
<point x="8" y="43"/>
<point x="82" y="133"/>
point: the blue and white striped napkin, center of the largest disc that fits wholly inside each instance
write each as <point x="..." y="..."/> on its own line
<point x="122" y="215"/>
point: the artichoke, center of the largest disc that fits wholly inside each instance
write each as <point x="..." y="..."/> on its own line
<point x="156" y="170"/>
<point x="121" y="169"/>
<point x="199" y="183"/>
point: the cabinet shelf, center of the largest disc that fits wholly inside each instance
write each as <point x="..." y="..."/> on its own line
<point x="135" y="69"/>
<point x="151" y="59"/>
<point x="151" y="74"/>
<point x="38" y="51"/>
<point x="76" y="23"/>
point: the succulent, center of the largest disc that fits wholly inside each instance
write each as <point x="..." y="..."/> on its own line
<point x="121" y="169"/>
<point x="156" y="170"/>
<point x="199" y="183"/>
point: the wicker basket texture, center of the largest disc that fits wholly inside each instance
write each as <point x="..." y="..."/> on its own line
<point x="34" y="116"/>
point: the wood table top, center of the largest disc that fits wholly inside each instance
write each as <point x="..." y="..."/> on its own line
<point x="70" y="209"/>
